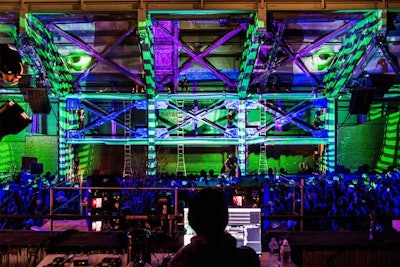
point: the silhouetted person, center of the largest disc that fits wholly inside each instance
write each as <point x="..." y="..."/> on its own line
<point x="212" y="245"/>
<point x="231" y="117"/>
<point x="230" y="166"/>
<point x="184" y="83"/>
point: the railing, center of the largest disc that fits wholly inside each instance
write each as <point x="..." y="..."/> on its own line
<point x="170" y="217"/>
<point x="174" y="217"/>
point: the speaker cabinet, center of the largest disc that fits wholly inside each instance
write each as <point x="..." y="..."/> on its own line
<point x="361" y="100"/>
<point x="28" y="161"/>
<point x="36" y="168"/>
<point x="39" y="101"/>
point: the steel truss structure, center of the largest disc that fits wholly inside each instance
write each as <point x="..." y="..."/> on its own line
<point x="233" y="72"/>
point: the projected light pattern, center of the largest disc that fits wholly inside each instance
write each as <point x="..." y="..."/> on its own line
<point x="85" y="155"/>
<point x="249" y="56"/>
<point x="151" y="152"/>
<point x="63" y="154"/>
<point x="330" y="150"/>
<point x="61" y="82"/>
<point x="353" y="49"/>
<point x="58" y="75"/>
<point x="376" y="111"/>
<point x="147" y="41"/>
<point x="30" y="56"/>
<point x="390" y="146"/>
<point x="6" y="161"/>
<point x="68" y="121"/>
<point x="242" y="146"/>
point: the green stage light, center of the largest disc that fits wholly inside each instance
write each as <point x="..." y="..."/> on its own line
<point x="78" y="61"/>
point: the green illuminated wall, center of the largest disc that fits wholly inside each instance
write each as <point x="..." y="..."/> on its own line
<point x="356" y="145"/>
<point x="360" y="144"/>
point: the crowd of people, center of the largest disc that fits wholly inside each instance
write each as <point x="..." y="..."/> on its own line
<point x="25" y="195"/>
<point x="333" y="202"/>
<point x="339" y="202"/>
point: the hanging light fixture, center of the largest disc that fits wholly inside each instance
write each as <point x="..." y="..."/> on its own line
<point x="11" y="67"/>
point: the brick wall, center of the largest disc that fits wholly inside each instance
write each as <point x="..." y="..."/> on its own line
<point x="360" y="144"/>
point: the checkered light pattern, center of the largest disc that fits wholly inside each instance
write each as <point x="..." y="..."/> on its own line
<point x="353" y="49"/>
<point x="60" y="80"/>
<point x="389" y="149"/>
<point x="57" y="73"/>
<point x="249" y="56"/>
<point x="329" y="157"/>
<point x="65" y="154"/>
<point x="146" y="44"/>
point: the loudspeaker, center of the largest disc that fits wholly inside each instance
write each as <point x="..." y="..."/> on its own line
<point x="36" y="168"/>
<point x="28" y="161"/>
<point x="361" y="100"/>
<point x="383" y="82"/>
<point x="13" y="119"/>
<point x="39" y="101"/>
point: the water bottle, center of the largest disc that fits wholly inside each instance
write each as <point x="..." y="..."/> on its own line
<point x="274" y="253"/>
<point x="130" y="248"/>
<point x="371" y="225"/>
<point x="286" y="259"/>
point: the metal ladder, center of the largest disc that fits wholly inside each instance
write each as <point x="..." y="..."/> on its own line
<point x="127" y="148"/>
<point x="180" y="165"/>
<point x="263" y="160"/>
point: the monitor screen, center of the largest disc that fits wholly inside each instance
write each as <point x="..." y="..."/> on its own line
<point x="97" y="203"/>
<point x="237" y="201"/>
<point x="244" y="224"/>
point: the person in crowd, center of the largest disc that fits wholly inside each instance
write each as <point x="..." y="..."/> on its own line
<point x="212" y="245"/>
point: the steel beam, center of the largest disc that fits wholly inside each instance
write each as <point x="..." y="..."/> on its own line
<point x="194" y="6"/>
<point x="200" y="141"/>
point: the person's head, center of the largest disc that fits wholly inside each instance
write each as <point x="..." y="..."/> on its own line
<point x="208" y="212"/>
